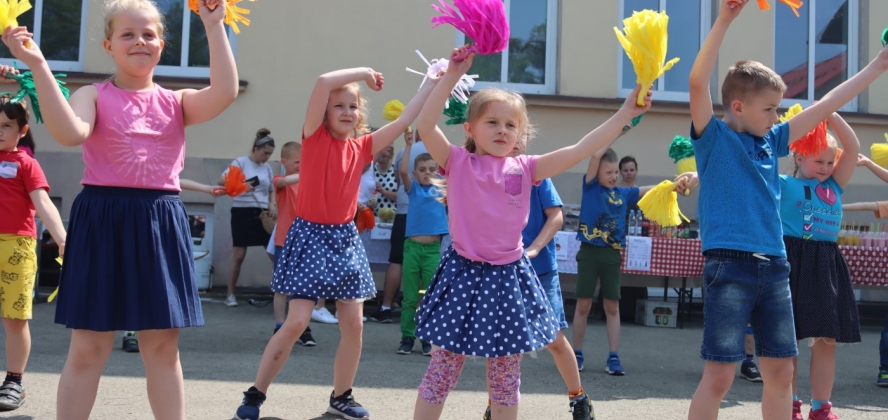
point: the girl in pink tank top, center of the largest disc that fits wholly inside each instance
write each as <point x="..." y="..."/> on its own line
<point x="129" y="264"/>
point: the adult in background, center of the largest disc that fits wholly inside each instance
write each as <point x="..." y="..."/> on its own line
<point x="386" y="181"/>
<point x="246" y="226"/>
<point x="628" y="172"/>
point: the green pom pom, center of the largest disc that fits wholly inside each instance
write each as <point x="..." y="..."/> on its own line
<point x="885" y="37"/>
<point x="27" y="88"/>
<point x="456" y="112"/>
<point x="681" y="148"/>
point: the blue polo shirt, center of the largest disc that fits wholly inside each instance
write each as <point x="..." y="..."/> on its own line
<point x="603" y="214"/>
<point x="542" y="197"/>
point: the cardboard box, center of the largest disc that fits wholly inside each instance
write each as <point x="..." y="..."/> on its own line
<point x="655" y="313"/>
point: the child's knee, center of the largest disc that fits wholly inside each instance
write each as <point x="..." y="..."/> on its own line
<point x="584" y="306"/>
<point x="441" y="377"/>
<point x="612" y="307"/>
<point x="504" y="378"/>
<point x="293" y="327"/>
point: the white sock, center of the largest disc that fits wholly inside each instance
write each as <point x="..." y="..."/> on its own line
<point x="384" y="308"/>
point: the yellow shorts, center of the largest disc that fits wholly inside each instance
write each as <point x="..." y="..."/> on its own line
<point x="18" y="270"/>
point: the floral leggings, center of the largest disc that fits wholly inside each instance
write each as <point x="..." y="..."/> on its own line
<point x="503" y="377"/>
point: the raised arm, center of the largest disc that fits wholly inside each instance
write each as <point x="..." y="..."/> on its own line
<point x="554" y="221"/>
<point x="383" y="137"/>
<point x="286" y="181"/>
<point x="846" y="164"/>
<point x="593" y="144"/>
<point x="49" y="214"/>
<point x="704" y="65"/>
<point x="870" y="206"/>
<point x="199" y="106"/>
<point x="404" y="167"/>
<point x="326" y="83"/>
<point x="879" y="171"/>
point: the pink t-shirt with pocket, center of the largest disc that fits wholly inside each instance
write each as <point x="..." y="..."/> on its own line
<point x="489" y="202"/>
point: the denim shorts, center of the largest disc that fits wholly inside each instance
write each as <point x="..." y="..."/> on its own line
<point x="552" y="287"/>
<point x="742" y="287"/>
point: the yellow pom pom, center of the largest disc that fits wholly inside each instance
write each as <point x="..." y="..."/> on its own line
<point x="879" y="153"/>
<point x="10" y="10"/>
<point x="688" y="164"/>
<point x="645" y="43"/>
<point x="791" y="112"/>
<point x="660" y="204"/>
<point x="392" y="110"/>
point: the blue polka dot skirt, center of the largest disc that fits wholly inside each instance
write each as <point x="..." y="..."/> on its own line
<point x="323" y="261"/>
<point x="481" y="309"/>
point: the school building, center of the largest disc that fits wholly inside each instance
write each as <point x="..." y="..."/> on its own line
<point x="563" y="56"/>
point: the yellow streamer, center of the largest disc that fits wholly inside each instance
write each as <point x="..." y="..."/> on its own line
<point x="233" y="14"/>
<point x="660" y="204"/>
<point x="879" y="153"/>
<point x="645" y="43"/>
<point x="10" y="10"/>
<point x="56" y="291"/>
<point x="392" y="110"/>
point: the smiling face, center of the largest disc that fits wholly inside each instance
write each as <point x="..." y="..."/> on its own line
<point x="497" y="130"/>
<point x="608" y="172"/>
<point x="344" y="111"/>
<point x="135" y="42"/>
<point x="757" y="113"/>
<point x="819" y="167"/>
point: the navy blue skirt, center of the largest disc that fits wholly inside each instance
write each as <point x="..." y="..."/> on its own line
<point x="128" y="263"/>
<point x="323" y="261"/>
<point x="481" y="309"/>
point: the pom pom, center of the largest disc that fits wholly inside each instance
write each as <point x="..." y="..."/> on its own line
<point x="680" y="148"/>
<point x="660" y="204"/>
<point x="483" y="21"/>
<point x="645" y="42"/>
<point x="456" y="112"/>
<point x="26" y="88"/>
<point x="879" y="153"/>
<point x="763" y="5"/>
<point x="365" y="220"/>
<point x="885" y="37"/>
<point x="234" y="181"/>
<point x="386" y="215"/>
<point x="10" y="10"/>
<point x="233" y="14"/>
<point x="439" y="65"/>
<point x="392" y="110"/>
<point x="812" y="143"/>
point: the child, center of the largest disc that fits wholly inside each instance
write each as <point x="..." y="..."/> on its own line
<point x="111" y="280"/>
<point x="485" y="299"/>
<point x="746" y="272"/>
<point x="323" y="256"/>
<point x="24" y="190"/>
<point x="426" y="225"/>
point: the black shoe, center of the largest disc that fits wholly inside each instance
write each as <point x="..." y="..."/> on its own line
<point x="383" y="316"/>
<point x="426" y="348"/>
<point x="306" y="339"/>
<point x="750" y="372"/>
<point x="582" y="408"/>
<point x="346" y="407"/>
<point x="130" y="342"/>
<point x="12" y="396"/>
<point x="406" y="346"/>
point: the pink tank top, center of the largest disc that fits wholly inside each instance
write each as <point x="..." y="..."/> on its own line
<point x="138" y="140"/>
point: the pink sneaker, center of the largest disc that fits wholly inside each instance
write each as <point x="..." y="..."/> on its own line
<point x="797" y="410"/>
<point x="825" y="413"/>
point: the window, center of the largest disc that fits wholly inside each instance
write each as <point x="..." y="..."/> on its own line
<point x="528" y="65"/>
<point x="811" y="69"/>
<point x="59" y="29"/>
<point x="184" y="55"/>
<point x="689" y="22"/>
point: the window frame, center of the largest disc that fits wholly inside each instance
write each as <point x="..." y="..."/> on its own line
<point x="551" y="68"/>
<point x="55" y="65"/>
<point x="659" y="91"/>
<point x="183" y="69"/>
<point x="852" y="56"/>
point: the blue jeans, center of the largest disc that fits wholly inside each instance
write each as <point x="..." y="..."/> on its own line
<point x="742" y="288"/>
<point x="552" y="287"/>
<point x="883" y="346"/>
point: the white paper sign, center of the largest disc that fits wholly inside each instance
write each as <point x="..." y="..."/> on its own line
<point x="381" y="233"/>
<point x="562" y="243"/>
<point x="638" y="253"/>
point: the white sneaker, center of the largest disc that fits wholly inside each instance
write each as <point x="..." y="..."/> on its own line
<point x="323" y="316"/>
<point x="231" y="301"/>
<point x="336" y="315"/>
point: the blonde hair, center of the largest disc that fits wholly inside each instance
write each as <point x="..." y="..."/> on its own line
<point x="749" y="78"/>
<point x="483" y="98"/>
<point x="361" y="127"/>
<point x="831" y="143"/>
<point x="114" y="7"/>
<point x="290" y="149"/>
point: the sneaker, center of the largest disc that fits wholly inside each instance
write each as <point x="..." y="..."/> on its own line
<point x="882" y="380"/>
<point x="406" y="346"/>
<point x="306" y="339"/>
<point x="797" y="410"/>
<point x="824" y="413"/>
<point x="750" y="372"/>
<point x="130" y="342"/>
<point x="231" y="301"/>
<point x="614" y="367"/>
<point x="323" y="316"/>
<point x="579" y="355"/>
<point x="486" y="414"/>
<point x="426" y="348"/>
<point x="249" y="408"/>
<point x="346" y="407"/>
<point x="12" y="395"/>
<point x="582" y="408"/>
<point x="383" y="316"/>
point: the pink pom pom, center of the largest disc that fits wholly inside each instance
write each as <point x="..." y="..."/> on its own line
<point x="484" y="21"/>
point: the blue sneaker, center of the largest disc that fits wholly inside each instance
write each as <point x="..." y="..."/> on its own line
<point x="346" y="407"/>
<point x="579" y="355"/>
<point x="614" y="367"/>
<point x="249" y="409"/>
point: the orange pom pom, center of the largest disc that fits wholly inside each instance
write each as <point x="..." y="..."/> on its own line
<point x="813" y="143"/>
<point x="233" y="14"/>
<point x="366" y="220"/>
<point x="234" y="181"/>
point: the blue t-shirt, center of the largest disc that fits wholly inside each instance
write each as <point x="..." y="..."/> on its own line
<point x="403" y="202"/>
<point x="541" y="198"/>
<point x="427" y="215"/>
<point x="603" y="214"/>
<point x="811" y="209"/>
<point x="740" y="188"/>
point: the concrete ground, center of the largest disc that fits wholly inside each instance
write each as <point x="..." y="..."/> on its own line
<point x="220" y="361"/>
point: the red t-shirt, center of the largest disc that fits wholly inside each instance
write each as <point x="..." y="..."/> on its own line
<point x="286" y="202"/>
<point x="20" y="174"/>
<point x="330" y="176"/>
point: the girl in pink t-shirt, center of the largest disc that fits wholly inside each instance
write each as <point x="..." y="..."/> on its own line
<point x="129" y="263"/>
<point x="485" y="299"/>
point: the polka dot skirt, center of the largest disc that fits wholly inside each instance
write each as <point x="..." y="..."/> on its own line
<point x="324" y="261"/>
<point x="481" y="309"/>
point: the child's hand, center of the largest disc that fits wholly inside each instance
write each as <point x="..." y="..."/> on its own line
<point x="532" y="252"/>
<point x="212" y="11"/>
<point x="374" y="80"/>
<point x="460" y="67"/>
<point x="217" y="192"/>
<point x="15" y="39"/>
<point x="730" y="9"/>
<point x="4" y="70"/>
<point x="862" y="160"/>
<point x="686" y="181"/>
<point x="62" y="251"/>
<point x="882" y="58"/>
<point x="630" y="107"/>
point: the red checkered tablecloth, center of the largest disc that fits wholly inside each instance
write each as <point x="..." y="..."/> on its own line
<point x="671" y="257"/>
<point x="868" y="266"/>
